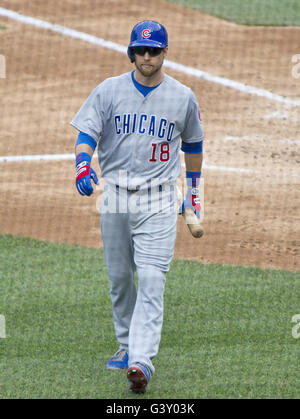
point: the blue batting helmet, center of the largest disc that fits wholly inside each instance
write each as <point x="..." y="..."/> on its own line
<point x="147" y="34"/>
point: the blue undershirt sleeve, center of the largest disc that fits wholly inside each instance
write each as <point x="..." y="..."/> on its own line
<point x="192" y="148"/>
<point x="86" y="139"/>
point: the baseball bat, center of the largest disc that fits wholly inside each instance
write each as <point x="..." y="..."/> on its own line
<point x="193" y="223"/>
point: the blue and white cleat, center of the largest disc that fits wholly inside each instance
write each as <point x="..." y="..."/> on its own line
<point x="138" y="376"/>
<point x="119" y="361"/>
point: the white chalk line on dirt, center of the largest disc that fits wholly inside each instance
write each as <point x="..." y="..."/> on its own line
<point x="36" y="157"/>
<point x="245" y="88"/>
<point x="61" y="157"/>
<point x="270" y="140"/>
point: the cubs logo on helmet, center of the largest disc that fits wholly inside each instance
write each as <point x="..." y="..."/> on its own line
<point x="146" y="33"/>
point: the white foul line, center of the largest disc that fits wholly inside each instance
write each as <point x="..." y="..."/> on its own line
<point x="47" y="157"/>
<point x="60" y="157"/>
<point x="253" y="138"/>
<point x="170" y="64"/>
<point x="38" y="157"/>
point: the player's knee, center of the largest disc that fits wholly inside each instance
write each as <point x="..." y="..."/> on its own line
<point x="151" y="280"/>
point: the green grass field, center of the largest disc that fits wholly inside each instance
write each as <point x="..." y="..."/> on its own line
<point x="249" y="12"/>
<point x="227" y="331"/>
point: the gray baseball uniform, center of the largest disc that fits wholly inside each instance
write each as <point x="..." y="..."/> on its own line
<point x="138" y="148"/>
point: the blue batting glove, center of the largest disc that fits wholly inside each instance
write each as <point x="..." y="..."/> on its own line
<point x="84" y="174"/>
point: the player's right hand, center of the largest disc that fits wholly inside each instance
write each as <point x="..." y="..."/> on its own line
<point x="84" y="174"/>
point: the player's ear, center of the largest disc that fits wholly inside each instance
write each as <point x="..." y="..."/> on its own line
<point x="165" y="52"/>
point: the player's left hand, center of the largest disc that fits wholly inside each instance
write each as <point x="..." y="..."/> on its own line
<point x="192" y="200"/>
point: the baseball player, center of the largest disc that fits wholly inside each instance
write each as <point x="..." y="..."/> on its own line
<point x="139" y="121"/>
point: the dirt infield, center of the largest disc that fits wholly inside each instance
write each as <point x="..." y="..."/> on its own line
<point x="250" y="218"/>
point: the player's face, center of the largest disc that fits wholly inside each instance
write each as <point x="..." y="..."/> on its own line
<point x="150" y="61"/>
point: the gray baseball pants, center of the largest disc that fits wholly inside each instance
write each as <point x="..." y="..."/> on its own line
<point x="143" y="243"/>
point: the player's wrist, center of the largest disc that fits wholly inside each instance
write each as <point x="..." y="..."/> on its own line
<point x="83" y="158"/>
<point x="193" y="179"/>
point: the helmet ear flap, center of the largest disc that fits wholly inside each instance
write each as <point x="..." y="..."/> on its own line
<point x="130" y="54"/>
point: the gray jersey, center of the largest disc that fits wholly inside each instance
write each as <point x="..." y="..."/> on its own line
<point x="136" y="134"/>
